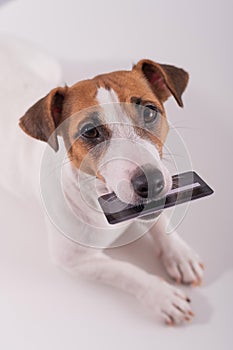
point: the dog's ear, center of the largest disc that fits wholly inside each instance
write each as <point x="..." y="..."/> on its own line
<point x="42" y="119"/>
<point x="164" y="80"/>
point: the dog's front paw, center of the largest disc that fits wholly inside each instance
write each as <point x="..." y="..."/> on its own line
<point x="168" y="302"/>
<point x="181" y="262"/>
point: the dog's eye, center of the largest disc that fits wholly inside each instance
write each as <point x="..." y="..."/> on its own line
<point x="150" y="114"/>
<point x="89" y="131"/>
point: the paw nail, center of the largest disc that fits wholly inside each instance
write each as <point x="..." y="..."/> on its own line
<point x="188" y="300"/>
<point x="191" y="313"/>
<point x="197" y="283"/>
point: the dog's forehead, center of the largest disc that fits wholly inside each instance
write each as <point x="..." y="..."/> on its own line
<point x="124" y="84"/>
<point x="114" y="114"/>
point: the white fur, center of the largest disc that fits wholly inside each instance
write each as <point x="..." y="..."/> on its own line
<point x="21" y="85"/>
<point x="126" y="150"/>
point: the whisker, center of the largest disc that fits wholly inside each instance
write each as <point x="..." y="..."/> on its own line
<point x="173" y="154"/>
<point x="183" y="127"/>
<point x="179" y="123"/>
<point x="167" y="160"/>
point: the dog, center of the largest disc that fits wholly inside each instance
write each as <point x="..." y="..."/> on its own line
<point x="136" y="99"/>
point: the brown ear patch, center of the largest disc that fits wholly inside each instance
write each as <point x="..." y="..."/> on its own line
<point x="42" y="119"/>
<point x="164" y="79"/>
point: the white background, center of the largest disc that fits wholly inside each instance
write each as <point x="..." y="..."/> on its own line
<point x="42" y="307"/>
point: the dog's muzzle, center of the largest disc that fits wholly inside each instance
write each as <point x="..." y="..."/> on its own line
<point x="147" y="182"/>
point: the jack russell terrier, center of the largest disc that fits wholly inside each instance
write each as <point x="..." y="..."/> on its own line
<point x="136" y="115"/>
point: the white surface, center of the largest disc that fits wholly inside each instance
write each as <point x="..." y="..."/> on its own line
<point x="42" y="307"/>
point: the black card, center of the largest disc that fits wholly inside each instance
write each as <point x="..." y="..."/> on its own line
<point x="186" y="187"/>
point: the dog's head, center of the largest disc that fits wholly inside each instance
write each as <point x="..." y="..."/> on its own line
<point x="119" y="129"/>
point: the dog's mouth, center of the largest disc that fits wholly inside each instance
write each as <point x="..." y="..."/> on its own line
<point x="117" y="210"/>
<point x="145" y="185"/>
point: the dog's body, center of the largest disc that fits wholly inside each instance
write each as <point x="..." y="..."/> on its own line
<point x="41" y="121"/>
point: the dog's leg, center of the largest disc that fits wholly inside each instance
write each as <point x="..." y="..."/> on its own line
<point x="180" y="261"/>
<point x="164" y="300"/>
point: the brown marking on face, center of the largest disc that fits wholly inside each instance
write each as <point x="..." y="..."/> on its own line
<point x="80" y="104"/>
<point x="81" y="101"/>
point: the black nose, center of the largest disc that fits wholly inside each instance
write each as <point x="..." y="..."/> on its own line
<point x="147" y="182"/>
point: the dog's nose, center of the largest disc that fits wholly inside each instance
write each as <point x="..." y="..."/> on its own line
<point x="148" y="183"/>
